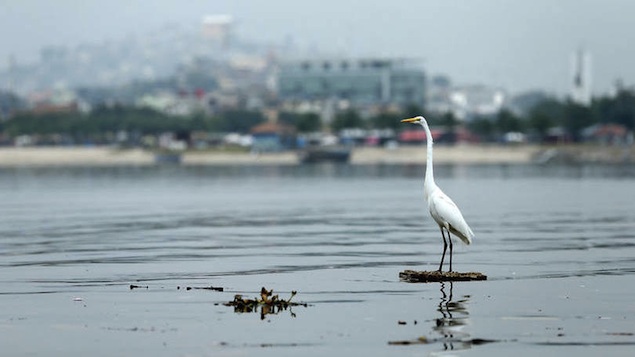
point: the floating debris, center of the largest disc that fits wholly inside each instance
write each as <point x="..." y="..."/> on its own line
<point x="418" y="341"/>
<point x="482" y="341"/>
<point x="213" y="288"/>
<point x="620" y="333"/>
<point x="266" y="304"/>
<point x="424" y="340"/>
<point x="132" y="286"/>
<point x="140" y="329"/>
<point x="413" y="276"/>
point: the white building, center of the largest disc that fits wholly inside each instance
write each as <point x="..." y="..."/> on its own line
<point x="467" y="102"/>
<point x="218" y="28"/>
<point x="362" y="82"/>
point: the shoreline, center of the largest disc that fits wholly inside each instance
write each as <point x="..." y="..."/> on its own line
<point x="459" y="154"/>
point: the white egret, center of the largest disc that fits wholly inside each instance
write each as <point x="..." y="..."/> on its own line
<point x="442" y="209"/>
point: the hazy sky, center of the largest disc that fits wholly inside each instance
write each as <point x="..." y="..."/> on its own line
<point x="515" y="44"/>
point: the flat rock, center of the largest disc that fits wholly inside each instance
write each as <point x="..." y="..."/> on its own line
<point x="413" y="276"/>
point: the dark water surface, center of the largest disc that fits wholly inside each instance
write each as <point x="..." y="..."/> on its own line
<point x="557" y="242"/>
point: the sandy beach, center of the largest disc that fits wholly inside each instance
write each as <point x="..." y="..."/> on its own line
<point x="72" y="156"/>
<point x="105" y="156"/>
<point x="459" y="154"/>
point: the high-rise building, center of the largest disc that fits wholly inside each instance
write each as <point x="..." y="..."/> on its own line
<point x="361" y="82"/>
<point x="218" y="28"/>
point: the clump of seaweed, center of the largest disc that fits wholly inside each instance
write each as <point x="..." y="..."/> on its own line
<point x="413" y="276"/>
<point x="267" y="303"/>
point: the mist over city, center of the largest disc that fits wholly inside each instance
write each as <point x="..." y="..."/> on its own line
<point x="515" y="45"/>
<point x="468" y="60"/>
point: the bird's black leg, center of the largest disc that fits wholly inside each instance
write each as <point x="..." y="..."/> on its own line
<point x="450" y="239"/>
<point x="445" y="247"/>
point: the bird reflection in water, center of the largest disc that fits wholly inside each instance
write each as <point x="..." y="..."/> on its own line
<point x="450" y="325"/>
<point x="454" y="318"/>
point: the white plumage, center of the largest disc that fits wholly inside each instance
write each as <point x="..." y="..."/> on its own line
<point x="442" y="209"/>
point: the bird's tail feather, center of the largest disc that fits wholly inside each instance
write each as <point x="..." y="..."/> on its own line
<point x="466" y="236"/>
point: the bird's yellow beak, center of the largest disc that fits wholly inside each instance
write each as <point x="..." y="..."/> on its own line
<point x="409" y="120"/>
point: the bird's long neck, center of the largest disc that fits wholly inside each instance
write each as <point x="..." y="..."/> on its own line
<point x="429" y="179"/>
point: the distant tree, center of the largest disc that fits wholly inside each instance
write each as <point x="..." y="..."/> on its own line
<point x="577" y="117"/>
<point x="550" y="108"/>
<point x="549" y="112"/>
<point x="506" y="122"/>
<point x="100" y="122"/>
<point x="10" y="103"/>
<point x="449" y="121"/>
<point x="386" y="121"/>
<point x="239" y="121"/>
<point x="347" y="119"/>
<point x="437" y="120"/>
<point x="483" y="127"/>
<point x="50" y="123"/>
<point x="619" y="109"/>
<point x="412" y="110"/>
<point x="200" y="122"/>
<point x="310" y="122"/>
<point x="540" y="123"/>
<point x="304" y="123"/>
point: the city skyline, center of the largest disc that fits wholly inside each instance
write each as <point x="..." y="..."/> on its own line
<point x="515" y="45"/>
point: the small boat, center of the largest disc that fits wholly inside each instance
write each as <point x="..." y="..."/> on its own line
<point x="330" y="153"/>
<point x="169" y="158"/>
